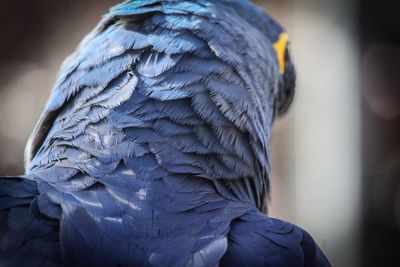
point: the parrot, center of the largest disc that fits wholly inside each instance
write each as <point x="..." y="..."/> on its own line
<point x="153" y="147"/>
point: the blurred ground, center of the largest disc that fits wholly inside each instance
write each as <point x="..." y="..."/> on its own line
<point x="336" y="154"/>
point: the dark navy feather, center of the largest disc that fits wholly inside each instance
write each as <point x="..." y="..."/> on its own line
<point x="27" y="238"/>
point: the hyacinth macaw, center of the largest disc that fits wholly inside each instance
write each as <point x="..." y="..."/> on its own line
<point x="153" y="147"/>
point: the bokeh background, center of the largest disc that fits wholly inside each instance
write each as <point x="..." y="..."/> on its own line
<point x="336" y="153"/>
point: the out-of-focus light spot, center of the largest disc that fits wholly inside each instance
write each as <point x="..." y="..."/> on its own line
<point x="21" y="102"/>
<point x="381" y="79"/>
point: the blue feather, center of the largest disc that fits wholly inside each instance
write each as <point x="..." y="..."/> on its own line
<point x="153" y="147"/>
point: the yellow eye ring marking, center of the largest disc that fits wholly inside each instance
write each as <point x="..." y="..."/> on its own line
<point x="280" y="49"/>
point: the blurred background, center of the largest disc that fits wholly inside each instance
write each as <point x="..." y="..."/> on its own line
<point x="336" y="153"/>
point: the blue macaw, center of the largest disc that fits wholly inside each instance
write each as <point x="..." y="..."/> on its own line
<point x="153" y="147"/>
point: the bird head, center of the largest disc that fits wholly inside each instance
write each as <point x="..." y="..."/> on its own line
<point x="279" y="38"/>
<point x="287" y="80"/>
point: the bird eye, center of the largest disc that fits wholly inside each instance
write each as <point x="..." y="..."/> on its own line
<point x="280" y="47"/>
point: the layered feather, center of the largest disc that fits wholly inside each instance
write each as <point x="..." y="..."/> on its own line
<point x="153" y="147"/>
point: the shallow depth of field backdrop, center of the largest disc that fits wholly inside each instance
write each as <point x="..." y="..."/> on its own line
<point x="336" y="154"/>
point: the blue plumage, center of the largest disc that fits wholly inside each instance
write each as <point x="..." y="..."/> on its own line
<point x="153" y="147"/>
